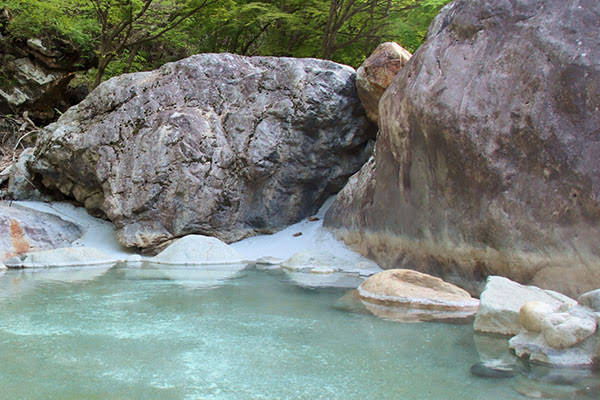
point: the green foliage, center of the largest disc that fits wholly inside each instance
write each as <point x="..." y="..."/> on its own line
<point x="67" y="19"/>
<point x="134" y="35"/>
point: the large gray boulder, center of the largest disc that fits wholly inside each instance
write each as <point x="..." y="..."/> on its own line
<point x="215" y="144"/>
<point x="488" y="159"/>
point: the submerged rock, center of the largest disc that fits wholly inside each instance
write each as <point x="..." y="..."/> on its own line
<point x="63" y="257"/>
<point x="493" y="351"/>
<point x="484" y="370"/>
<point x="351" y="302"/>
<point x="501" y="303"/>
<point x="197" y="250"/>
<point x="377" y="72"/>
<point x="215" y="144"/>
<point x="413" y="295"/>
<point x="23" y="230"/>
<point x="533" y="347"/>
<point x="486" y="164"/>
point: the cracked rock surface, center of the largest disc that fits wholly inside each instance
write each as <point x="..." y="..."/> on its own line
<point x="215" y="144"/>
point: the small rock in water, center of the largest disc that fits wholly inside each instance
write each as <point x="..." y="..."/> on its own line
<point x="198" y="249"/>
<point x="484" y="370"/>
<point x="411" y="296"/>
<point x="268" y="261"/>
<point x="297" y="234"/>
<point x="313" y="219"/>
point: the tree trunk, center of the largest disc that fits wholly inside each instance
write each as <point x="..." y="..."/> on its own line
<point x="103" y="61"/>
<point x="132" y="53"/>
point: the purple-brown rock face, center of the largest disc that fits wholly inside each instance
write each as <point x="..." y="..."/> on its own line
<point x="488" y="157"/>
<point x="215" y="144"/>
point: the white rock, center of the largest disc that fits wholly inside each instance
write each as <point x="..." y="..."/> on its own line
<point x="564" y="330"/>
<point x="198" y="250"/>
<point x="324" y="262"/>
<point x="315" y="279"/>
<point x="533" y="346"/>
<point x="267" y="260"/>
<point x="502" y="300"/>
<point x="533" y="313"/>
<point x="70" y="256"/>
<point x="268" y="263"/>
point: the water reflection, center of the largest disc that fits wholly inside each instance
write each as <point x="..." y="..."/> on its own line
<point x="188" y="276"/>
<point x="323" y="280"/>
<point x="532" y="380"/>
<point x="17" y="282"/>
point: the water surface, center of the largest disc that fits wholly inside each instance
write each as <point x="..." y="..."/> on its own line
<point x="142" y="334"/>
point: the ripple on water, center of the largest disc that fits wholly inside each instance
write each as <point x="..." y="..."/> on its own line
<point x="130" y="335"/>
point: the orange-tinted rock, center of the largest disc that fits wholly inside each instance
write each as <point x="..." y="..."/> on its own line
<point x="414" y="292"/>
<point x="23" y="230"/>
<point x="376" y="74"/>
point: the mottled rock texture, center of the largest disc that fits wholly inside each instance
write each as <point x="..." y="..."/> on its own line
<point x="488" y="157"/>
<point x="215" y="144"/>
<point x="23" y="230"/>
<point x="376" y="74"/>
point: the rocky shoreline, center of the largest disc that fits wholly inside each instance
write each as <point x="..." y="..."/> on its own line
<point x="484" y="173"/>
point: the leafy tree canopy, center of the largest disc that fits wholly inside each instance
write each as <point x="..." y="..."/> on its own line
<point x="132" y="35"/>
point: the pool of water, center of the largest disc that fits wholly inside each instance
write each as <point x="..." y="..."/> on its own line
<point x="140" y="334"/>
